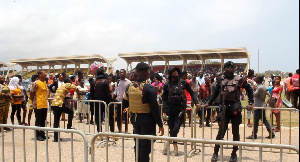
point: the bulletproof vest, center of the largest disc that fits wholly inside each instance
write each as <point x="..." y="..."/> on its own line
<point x="176" y="94"/>
<point x="233" y="88"/>
<point x="135" y="95"/>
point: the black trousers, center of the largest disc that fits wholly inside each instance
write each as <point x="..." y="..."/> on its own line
<point x="14" y="109"/>
<point x="208" y="114"/>
<point x="235" y="121"/>
<point x="296" y="97"/>
<point x="99" y="112"/>
<point x="57" y="113"/>
<point x="261" y="114"/>
<point x="111" y="118"/>
<point x="143" y="125"/>
<point x="120" y="116"/>
<point x="40" y="120"/>
<point x="174" y="122"/>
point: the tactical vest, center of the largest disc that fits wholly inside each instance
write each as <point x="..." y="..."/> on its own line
<point x="232" y="87"/>
<point x="135" y="95"/>
<point x="176" y="95"/>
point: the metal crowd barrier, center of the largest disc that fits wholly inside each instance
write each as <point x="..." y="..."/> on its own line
<point x="244" y="122"/>
<point x="39" y="151"/>
<point x="185" y="141"/>
<point x="91" y="128"/>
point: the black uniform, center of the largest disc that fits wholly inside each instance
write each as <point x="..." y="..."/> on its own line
<point x="232" y="106"/>
<point x="145" y="123"/>
<point x="172" y="109"/>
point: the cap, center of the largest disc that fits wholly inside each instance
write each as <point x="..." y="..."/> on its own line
<point x="142" y="66"/>
<point x="229" y="64"/>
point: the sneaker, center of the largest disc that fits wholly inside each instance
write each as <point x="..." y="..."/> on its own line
<point x="249" y="125"/>
<point x="233" y="158"/>
<point x="208" y="125"/>
<point x="25" y="124"/>
<point x="200" y="125"/>
<point x="251" y="137"/>
<point x="269" y="137"/>
<point x="56" y="140"/>
<point x="7" y="129"/>
<point x="214" y="158"/>
<point x="39" y="138"/>
<point x="71" y="128"/>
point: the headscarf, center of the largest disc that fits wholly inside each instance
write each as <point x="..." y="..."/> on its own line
<point x="14" y="83"/>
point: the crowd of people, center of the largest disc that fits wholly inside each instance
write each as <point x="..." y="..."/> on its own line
<point x="141" y="91"/>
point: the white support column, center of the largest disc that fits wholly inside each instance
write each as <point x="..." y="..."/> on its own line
<point x="222" y="62"/>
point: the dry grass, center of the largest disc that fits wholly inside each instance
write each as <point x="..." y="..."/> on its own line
<point x="287" y="117"/>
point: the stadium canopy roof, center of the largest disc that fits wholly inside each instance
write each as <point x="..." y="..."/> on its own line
<point x="185" y="55"/>
<point x="3" y="64"/>
<point x="63" y="61"/>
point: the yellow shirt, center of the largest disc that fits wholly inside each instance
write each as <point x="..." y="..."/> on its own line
<point x="40" y="90"/>
<point x="16" y="101"/>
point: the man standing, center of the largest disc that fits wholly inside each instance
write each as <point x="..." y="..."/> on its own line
<point x="259" y="101"/>
<point x="295" y="82"/>
<point x="140" y="97"/>
<point x="205" y="91"/>
<point x="174" y="103"/>
<point x="59" y="105"/>
<point x="120" y="88"/>
<point x="288" y="93"/>
<point x="100" y="91"/>
<point x="38" y="95"/>
<point x="200" y="79"/>
<point x="229" y="85"/>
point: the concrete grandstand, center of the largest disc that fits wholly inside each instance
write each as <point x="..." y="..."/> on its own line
<point x="63" y="62"/>
<point x="185" y="55"/>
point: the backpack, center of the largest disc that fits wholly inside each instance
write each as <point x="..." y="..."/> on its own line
<point x="176" y="95"/>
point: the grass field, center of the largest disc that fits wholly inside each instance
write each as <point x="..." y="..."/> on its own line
<point x="285" y="115"/>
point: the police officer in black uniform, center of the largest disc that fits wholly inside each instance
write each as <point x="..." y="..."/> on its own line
<point x="144" y="109"/>
<point x="174" y="103"/>
<point x="229" y="86"/>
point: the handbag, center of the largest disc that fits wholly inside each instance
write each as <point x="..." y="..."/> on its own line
<point x="272" y="102"/>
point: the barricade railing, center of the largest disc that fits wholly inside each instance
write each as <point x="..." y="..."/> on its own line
<point x="38" y="154"/>
<point x="93" y="106"/>
<point x="194" y="123"/>
<point x="194" y="129"/>
<point x="185" y="141"/>
<point x="118" y="110"/>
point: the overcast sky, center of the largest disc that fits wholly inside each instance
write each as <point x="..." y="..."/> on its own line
<point x="48" y="28"/>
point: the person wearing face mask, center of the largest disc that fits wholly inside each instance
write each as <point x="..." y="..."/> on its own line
<point x="229" y="86"/>
<point x="174" y="104"/>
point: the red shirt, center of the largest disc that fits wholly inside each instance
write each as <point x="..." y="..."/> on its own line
<point x="295" y="81"/>
<point x="204" y="90"/>
<point x="187" y="94"/>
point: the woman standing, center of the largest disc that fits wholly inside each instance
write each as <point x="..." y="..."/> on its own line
<point x="4" y="101"/>
<point x="82" y="107"/>
<point x="277" y="90"/>
<point x="158" y="86"/>
<point x="16" y="99"/>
